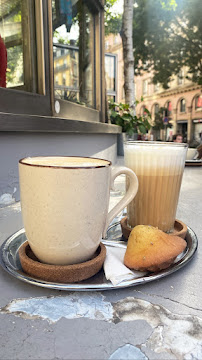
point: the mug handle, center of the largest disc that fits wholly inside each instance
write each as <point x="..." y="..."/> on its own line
<point x="128" y="197"/>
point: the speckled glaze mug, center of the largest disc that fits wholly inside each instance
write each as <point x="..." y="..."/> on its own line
<point x="65" y="202"/>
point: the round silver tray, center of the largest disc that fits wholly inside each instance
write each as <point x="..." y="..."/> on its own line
<point x="9" y="260"/>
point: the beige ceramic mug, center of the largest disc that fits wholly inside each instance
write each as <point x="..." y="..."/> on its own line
<point x="64" y="203"/>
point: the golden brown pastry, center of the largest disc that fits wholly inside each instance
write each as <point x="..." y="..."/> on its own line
<point x="151" y="249"/>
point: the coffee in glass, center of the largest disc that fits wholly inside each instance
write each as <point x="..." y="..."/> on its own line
<point x="159" y="167"/>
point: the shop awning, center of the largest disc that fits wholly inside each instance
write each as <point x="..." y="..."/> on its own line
<point x="182" y="121"/>
<point x="197" y="121"/>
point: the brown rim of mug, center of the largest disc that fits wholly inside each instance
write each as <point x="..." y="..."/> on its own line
<point x="109" y="163"/>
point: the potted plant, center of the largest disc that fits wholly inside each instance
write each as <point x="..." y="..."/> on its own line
<point x="132" y="125"/>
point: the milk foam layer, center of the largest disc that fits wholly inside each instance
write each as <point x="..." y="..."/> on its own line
<point x="169" y="159"/>
<point x="63" y="161"/>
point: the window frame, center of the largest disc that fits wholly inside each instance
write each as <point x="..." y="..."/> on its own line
<point x="182" y="109"/>
<point x="30" y="105"/>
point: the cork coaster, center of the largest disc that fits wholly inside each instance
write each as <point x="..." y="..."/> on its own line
<point x="180" y="229"/>
<point x="61" y="273"/>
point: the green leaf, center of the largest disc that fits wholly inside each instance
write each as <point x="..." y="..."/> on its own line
<point x="142" y="129"/>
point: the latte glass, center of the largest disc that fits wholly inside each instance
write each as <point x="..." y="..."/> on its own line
<point x="159" y="167"/>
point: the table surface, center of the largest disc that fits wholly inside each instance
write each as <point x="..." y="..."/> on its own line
<point x="157" y="320"/>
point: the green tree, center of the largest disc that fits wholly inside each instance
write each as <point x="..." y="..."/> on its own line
<point x="166" y="37"/>
<point x="113" y="21"/>
<point x="159" y="120"/>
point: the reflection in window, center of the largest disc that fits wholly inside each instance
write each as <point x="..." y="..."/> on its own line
<point x="73" y="39"/>
<point x="182" y="105"/>
<point x="15" y="46"/>
<point x="110" y="75"/>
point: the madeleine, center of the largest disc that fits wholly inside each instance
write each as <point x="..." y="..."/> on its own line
<point x="151" y="249"/>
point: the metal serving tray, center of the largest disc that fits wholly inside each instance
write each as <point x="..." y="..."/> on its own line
<point x="9" y="260"/>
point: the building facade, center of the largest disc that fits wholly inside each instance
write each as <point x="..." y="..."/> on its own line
<point x="182" y="101"/>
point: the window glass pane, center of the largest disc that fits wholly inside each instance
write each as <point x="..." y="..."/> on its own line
<point x="66" y="72"/>
<point x="182" y="105"/>
<point x="110" y="72"/>
<point x="15" y="45"/>
<point x="198" y="102"/>
<point x="73" y="49"/>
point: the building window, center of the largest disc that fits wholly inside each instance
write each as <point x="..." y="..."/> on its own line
<point x="180" y="78"/>
<point x="145" y="87"/>
<point x="182" y="105"/>
<point x="198" y="102"/>
<point x="156" y="109"/>
<point x="110" y="75"/>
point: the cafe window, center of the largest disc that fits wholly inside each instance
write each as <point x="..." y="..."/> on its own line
<point x="16" y="32"/>
<point x="182" y="105"/>
<point x="74" y="44"/>
<point x="25" y="87"/>
<point x="44" y="64"/>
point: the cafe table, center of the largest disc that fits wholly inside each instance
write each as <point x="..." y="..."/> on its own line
<point x="159" y="319"/>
